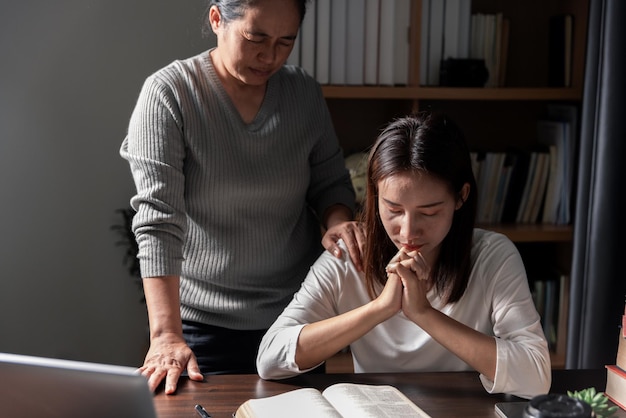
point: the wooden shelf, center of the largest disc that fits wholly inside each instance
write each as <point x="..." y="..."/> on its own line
<point x="557" y="360"/>
<point x="449" y="93"/>
<point x="533" y="232"/>
<point x="501" y="93"/>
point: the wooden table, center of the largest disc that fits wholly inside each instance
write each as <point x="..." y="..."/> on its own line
<point x="443" y="394"/>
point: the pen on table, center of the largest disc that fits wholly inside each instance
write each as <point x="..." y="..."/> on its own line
<point x="202" y="412"/>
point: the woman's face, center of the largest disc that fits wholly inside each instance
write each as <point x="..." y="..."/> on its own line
<point x="416" y="210"/>
<point x="254" y="47"/>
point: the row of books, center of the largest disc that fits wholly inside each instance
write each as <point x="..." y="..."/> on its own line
<point x="616" y="373"/>
<point x="355" y="42"/>
<point x="530" y="186"/>
<point x="450" y="30"/>
<point x="511" y="186"/>
<point x="366" y="42"/>
<point x="550" y="296"/>
<point x="490" y="41"/>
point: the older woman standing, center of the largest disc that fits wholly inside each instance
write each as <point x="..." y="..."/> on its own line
<point x="236" y="165"/>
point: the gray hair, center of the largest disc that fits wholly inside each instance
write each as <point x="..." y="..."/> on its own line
<point x="234" y="9"/>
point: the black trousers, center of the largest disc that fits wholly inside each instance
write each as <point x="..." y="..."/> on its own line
<point x="222" y="350"/>
<point x="226" y="351"/>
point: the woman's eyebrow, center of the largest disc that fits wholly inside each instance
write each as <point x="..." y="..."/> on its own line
<point x="254" y="32"/>
<point x="427" y="205"/>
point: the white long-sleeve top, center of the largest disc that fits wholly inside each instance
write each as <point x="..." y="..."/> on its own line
<point x="497" y="302"/>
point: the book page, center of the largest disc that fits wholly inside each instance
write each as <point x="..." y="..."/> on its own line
<point x="371" y="401"/>
<point x="301" y="403"/>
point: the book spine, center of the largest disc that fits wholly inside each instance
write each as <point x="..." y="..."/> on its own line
<point x="355" y="42"/>
<point x="424" y="42"/>
<point x="372" y="13"/>
<point x="620" y="360"/>
<point x="386" y="41"/>
<point x="435" y="41"/>
<point x="464" y="32"/>
<point x="540" y="193"/>
<point x="322" y="42"/>
<point x="532" y="169"/>
<point x="452" y="10"/>
<point x="338" y="20"/>
<point x="616" y="385"/>
<point x="307" y="40"/>
<point x="402" y="24"/>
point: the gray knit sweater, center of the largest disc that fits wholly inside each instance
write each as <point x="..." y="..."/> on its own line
<point x="231" y="207"/>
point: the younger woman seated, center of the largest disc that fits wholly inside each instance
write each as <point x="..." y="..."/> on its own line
<point x="437" y="294"/>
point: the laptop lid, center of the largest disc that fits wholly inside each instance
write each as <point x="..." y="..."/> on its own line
<point x="44" y="387"/>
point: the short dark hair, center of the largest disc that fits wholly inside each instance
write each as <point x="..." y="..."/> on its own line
<point x="235" y="9"/>
<point x="433" y="144"/>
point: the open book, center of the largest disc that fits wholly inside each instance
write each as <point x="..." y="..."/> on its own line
<point x="341" y="400"/>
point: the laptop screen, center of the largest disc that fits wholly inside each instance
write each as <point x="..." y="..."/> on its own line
<point x="44" y="387"/>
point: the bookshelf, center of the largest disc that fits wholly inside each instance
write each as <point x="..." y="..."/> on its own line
<point x="452" y="93"/>
<point x="486" y="115"/>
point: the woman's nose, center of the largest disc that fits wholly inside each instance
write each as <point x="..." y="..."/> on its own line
<point x="410" y="230"/>
<point x="268" y="55"/>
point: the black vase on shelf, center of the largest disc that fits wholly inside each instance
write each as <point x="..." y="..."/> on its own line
<point x="455" y="72"/>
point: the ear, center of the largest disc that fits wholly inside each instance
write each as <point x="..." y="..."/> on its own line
<point x="463" y="195"/>
<point x="215" y="19"/>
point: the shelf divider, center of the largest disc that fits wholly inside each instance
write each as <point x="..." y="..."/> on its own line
<point x="450" y="93"/>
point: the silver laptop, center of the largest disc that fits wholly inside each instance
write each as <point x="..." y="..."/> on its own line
<point x="43" y="387"/>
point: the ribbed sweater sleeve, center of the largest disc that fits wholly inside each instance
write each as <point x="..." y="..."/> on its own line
<point x="231" y="207"/>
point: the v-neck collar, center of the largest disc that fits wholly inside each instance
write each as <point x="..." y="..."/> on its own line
<point x="268" y="104"/>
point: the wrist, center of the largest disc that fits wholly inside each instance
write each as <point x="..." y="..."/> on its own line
<point x="337" y="214"/>
<point x="421" y="316"/>
<point x="166" y="335"/>
<point x="380" y="311"/>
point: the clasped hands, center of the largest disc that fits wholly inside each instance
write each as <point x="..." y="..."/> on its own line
<point x="408" y="283"/>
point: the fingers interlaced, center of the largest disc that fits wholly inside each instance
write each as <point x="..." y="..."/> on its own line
<point x="413" y="261"/>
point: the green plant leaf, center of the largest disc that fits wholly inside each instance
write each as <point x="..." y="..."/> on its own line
<point x="597" y="400"/>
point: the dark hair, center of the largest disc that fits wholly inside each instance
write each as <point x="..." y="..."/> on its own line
<point x="431" y="144"/>
<point x="235" y="9"/>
